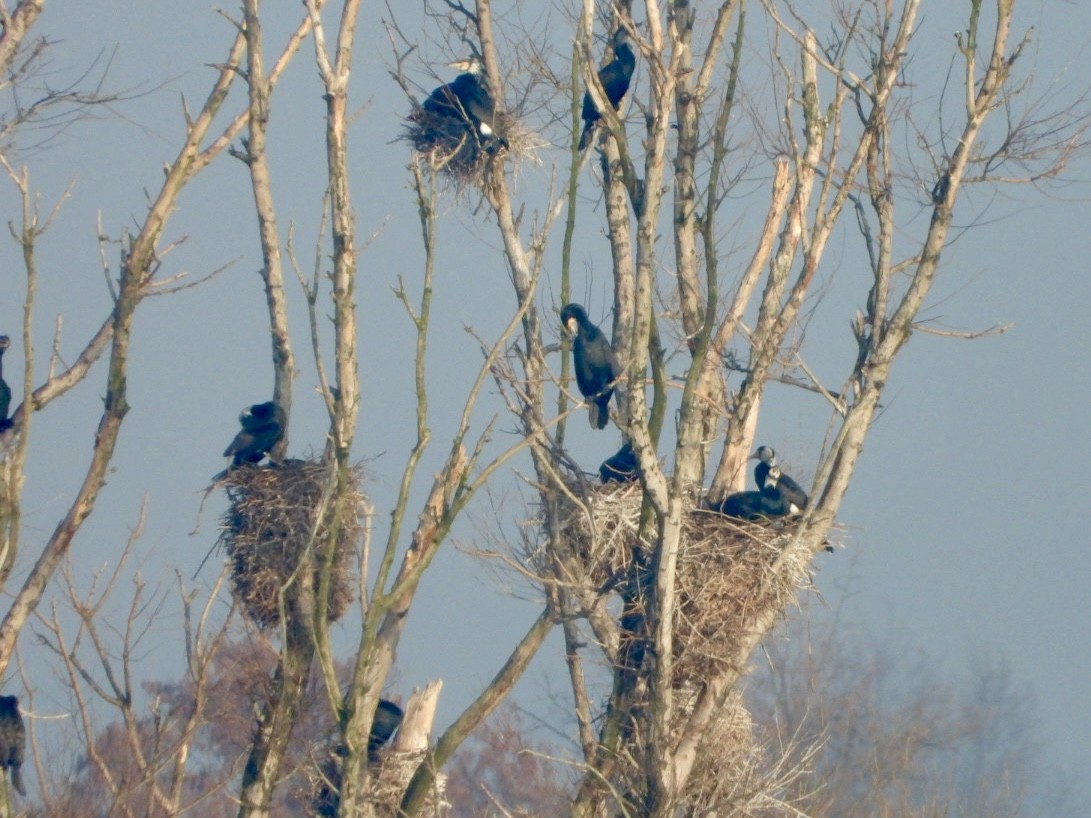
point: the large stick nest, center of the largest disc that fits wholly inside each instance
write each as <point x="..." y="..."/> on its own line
<point x="450" y="144"/>
<point x="729" y="571"/>
<point x="280" y="519"/>
<point x="389" y="773"/>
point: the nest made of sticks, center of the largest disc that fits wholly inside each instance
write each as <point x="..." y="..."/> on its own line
<point x="389" y="773"/>
<point x="729" y="572"/>
<point x="451" y="145"/>
<point x="279" y="519"/>
<point x="728" y="774"/>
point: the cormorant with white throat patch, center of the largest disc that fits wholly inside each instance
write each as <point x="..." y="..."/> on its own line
<point x="794" y="495"/>
<point x="594" y="363"/>
<point x="467" y="99"/>
<point x="262" y="428"/>
<point x="614" y="78"/>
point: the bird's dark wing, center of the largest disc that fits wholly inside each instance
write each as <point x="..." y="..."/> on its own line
<point x="599" y="362"/>
<point x="615" y="76"/>
<point x="478" y="102"/>
<point x="243" y="440"/>
<point x="388" y="717"/>
<point x="619" y="468"/>
<point x="465" y="98"/>
<point x="746" y="505"/>
<point x="792" y="492"/>
<point x="443" y="102"/>
<point x="266" y="437"/>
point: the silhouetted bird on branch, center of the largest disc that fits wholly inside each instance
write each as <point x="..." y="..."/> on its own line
<point x="594" y="363"/>
<point x="614" y="78"/>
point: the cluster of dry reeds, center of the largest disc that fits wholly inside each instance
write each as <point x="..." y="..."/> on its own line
<point x="279" y="519"/>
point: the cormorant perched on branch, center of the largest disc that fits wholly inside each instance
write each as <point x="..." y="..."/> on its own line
<point x="594" y="362"/>
<point x="5" y="390"/>
<point x="262" y="428"/>
<point x="620" y="467"/>
<point x="793" y="493"/>
<point x="614" y="78"/>
<point x="13" y="739"/>
<point x="467" y="99"/>
<point x="388" y="717"/>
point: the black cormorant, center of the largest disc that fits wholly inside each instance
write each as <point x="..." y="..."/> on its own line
<point x="793" y="494"/>
<point x="751" y="505"/>
<point x="13" y="739"/>
<point x="468" y="100"/>
<point x="388" y="717"/>
<point x="614" y="78"/>
<point x="620" y="467"/>
<point x="262" y="428"/>
<point x="5" y="390"/>
<point x="746" y="505"/>
<point x="774" y="503"/>
<point x="594" y="362"/>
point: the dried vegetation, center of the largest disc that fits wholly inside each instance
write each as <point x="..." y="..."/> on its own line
<point x="279" y="519"/>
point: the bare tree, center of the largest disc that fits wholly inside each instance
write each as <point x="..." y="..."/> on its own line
<point x="668" y="597"/>
<point x="832" y="151"/>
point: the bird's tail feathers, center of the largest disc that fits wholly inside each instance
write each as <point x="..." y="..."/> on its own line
<point x="17" y="780"/>
<point x="585" y="137"/>
<point x="598" y="412"/>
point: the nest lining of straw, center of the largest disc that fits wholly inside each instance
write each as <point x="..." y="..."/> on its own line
<point x="450" y="144"/>
<point x="268" y="531"/>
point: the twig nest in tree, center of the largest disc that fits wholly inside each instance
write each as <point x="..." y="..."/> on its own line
<point x="726" y="579"/>
<point x="725" y="573"/>
<point x="449" y="144"/>
<point x="276" y="534"/>
<point x="389" y="774"/>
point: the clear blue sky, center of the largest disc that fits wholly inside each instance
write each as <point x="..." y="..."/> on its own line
<point x="967" y="521"/>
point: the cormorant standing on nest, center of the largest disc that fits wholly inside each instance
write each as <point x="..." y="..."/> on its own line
<point x="594" y="362"/>
<point x="620" y="467"/>
<point x="793" y="493"/>
<point x="5" y="390"/>
<point x="388" y="717"/>
<point x="467" y="99"/>
<point x="262" y="428"/>
<point x="13" y="739"/>
<point x="614" y="78"/>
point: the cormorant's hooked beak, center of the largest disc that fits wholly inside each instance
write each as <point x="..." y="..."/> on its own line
<point x="461" y="65"/>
